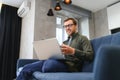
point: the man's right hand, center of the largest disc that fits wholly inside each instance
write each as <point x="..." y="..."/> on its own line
<point x="67" y="50"/>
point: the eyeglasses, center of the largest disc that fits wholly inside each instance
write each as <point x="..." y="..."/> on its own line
<point x="69" y="25"/>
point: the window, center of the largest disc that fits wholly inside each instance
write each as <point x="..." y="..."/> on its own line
<point x="60" y="32"/>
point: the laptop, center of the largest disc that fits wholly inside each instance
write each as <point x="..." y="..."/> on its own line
<point x="48" y="48"/>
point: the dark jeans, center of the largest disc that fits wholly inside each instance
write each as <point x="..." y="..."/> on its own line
<point x="49" y="65"/>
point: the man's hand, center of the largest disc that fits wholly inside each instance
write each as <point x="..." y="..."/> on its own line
<point x="67" y="50"/>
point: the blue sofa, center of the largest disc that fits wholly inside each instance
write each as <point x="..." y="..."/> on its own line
<point x="105" y="66"/>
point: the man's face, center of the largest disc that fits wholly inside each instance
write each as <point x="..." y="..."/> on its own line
<point x="70" y="27"/>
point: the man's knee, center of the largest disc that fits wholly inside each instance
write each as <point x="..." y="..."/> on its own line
<point x="52" y="65"/>
<point x="35" y="66"/>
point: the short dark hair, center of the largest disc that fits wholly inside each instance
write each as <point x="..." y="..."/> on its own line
<point x="73" y="20"/>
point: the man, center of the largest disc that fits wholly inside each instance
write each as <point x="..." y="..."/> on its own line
<point x="76" y="49"/>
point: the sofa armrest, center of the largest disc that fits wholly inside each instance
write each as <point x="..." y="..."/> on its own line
<point x="107" y="63"/>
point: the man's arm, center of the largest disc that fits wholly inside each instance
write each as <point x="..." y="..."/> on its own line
<point x="87" y="52"/>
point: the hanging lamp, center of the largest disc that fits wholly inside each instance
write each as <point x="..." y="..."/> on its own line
<point x="50" y="11"/>
<point x="67" y="1"/>
<point x="58" y="7"/>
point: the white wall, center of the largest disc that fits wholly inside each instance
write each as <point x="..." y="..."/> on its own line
<point x="26" y="47"/>
<point x="36" y="25"/>
<point x="114" y="16"/>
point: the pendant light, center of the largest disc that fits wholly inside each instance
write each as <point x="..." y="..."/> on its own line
<point x="58" y="7"/>
<point x="67" y="1"/>
<point x="50" y="11"/>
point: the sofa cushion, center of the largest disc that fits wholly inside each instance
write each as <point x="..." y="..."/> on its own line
<point x="107" y="63"/>
<point x="63" y="76"/>
<point x="115" y="39"/>
<point x="87" y="67"/>
<point x="96" y="43"/>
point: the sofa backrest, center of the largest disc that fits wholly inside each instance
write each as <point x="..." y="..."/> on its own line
<point x="113" y="39"/>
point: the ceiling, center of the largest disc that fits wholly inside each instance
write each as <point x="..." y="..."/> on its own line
<point x="92" y="5"/>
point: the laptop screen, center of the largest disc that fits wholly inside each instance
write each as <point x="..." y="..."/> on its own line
<point x="48" y="48"/>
